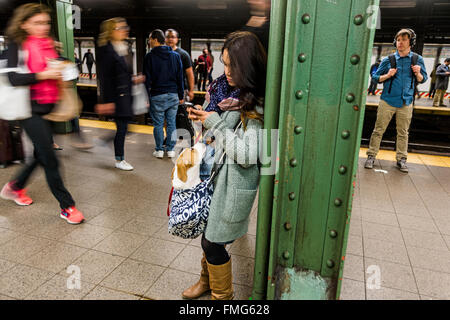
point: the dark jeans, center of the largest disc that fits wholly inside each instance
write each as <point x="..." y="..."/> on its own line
<point x="202" y="80"/>
<point x="119" y="137"/>
<point x="432" y="90"/>
<point x="210" y="78"/>
<point x="89" y="66"/>
<point x="215" y="253"/>
<point x="119" y="140"/>
<point x="373" y="86"/>
<point x="40" y="132"/>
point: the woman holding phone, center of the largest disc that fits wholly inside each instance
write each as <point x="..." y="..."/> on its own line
<point x="236" y="127"/>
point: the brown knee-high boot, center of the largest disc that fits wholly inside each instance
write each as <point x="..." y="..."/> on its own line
<point x="220" y="281"/>
<point x="201" y="286"/>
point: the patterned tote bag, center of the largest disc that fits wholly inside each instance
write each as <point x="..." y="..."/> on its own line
<point x="189" y="208"/>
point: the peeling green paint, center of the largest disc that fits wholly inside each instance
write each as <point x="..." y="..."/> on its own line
<point x="304" y="285"/>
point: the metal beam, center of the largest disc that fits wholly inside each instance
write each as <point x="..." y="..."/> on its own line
<point x="327" y="50"/>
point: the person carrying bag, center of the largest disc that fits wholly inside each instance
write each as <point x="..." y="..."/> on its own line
<point x="29" y="30"/>
<point x="236" y="184"/>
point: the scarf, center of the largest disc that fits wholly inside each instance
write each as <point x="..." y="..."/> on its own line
<point x="39" y="50"/>
<point x="221" y="96"/>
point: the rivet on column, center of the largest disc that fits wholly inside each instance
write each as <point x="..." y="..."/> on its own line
<point x="345" y="134"/>
<point x="358" y="20"/>
<point x="302" y="57"/>
<point x="354" y="59"/>
<point x="306" y="18"/>
<point x="293" y="163"/>
<point x="337" y="202"/>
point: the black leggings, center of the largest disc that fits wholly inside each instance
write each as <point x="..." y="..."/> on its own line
<point x="215" y="253"/>
<point x="40" y="133"/>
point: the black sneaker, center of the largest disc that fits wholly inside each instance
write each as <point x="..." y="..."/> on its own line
<point x="402" y="165"/>
<point x="369" y="162"/>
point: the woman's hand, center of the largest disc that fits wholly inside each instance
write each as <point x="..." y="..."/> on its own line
<point x="105" y="108"/>
<point x="138" y="79"/>
<point x="49" y="74"/>
<point x="198" y="115"/>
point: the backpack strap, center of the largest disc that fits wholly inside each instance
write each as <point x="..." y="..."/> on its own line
<point x="393" y="63"/>
<point x="414" y="59"/>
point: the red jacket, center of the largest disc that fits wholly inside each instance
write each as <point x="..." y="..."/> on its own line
<point x="39" y="50"/>
<point x="201" y="58"/>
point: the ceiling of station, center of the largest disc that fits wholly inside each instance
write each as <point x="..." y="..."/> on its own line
<point x="216" y="18"/>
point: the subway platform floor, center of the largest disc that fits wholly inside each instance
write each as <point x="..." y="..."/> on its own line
<point x="400" y="223"/>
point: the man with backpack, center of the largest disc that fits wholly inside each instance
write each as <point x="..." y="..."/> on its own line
<point x="399" y="73"/>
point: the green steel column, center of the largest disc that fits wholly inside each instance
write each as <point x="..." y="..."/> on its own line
<point x="327" y="48"/>
<point x="65" y="27"/>
<point x="271" y="115"/>
<point x="65" y="36"/>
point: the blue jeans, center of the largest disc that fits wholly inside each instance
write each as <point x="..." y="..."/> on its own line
<point x="164" y="107"/>
<point x="207" y="162"/>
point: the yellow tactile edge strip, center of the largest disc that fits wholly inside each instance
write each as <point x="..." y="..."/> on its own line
<point x="424" y="159"/>
<point x="109" y="125"/>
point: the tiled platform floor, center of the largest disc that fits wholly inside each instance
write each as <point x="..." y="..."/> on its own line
<point x="400" y="223"/>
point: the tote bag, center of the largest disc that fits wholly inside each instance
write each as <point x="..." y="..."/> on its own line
<point x="189" y="208"/>
<point x="15" y="103"/>
<point x="68" y="107"/>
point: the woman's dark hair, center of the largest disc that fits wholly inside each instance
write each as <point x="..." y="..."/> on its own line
<point x="248" y="64"/>
<point x="158" y="34"/>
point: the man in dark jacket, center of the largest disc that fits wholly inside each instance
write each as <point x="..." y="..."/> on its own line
<point x="442" y="75"/>
<point x="163" y="71"/>
<point x="89" y="57"/>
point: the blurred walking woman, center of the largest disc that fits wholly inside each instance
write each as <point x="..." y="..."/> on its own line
<point x="29" y="30"/>
<point x="244" y="59"/>
<point x="115" y="74"/>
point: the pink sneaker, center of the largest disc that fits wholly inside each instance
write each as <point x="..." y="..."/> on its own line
<point x="20" y="197"/>
<point x="72" y="215"/>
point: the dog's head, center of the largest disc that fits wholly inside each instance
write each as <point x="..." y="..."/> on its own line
<point x="187" y="167"/>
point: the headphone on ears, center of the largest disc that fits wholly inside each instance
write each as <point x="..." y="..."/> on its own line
<point x="412" y="38"/>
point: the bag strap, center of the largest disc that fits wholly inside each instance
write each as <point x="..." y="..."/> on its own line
<point x="215" y="170"/>
<point x="414" y="59"/>
<point x="393" y="63"/>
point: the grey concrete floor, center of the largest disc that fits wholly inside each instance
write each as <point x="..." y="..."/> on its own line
<point x="400" y="223"/>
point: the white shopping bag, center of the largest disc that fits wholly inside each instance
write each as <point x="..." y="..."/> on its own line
<point x="15" y="102"/>
<point x="140" y="99"/>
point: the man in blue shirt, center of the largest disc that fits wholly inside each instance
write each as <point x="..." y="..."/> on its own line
<point x="397" y="98"/>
